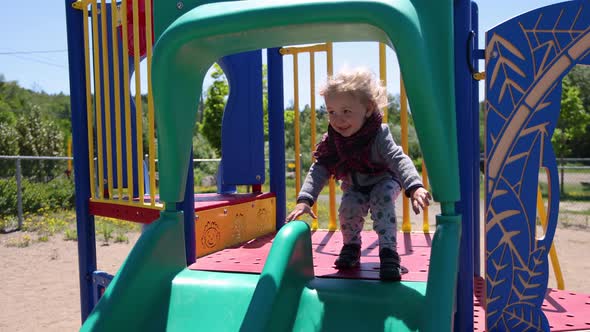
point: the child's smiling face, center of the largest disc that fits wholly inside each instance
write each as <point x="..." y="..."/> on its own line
<point x="346" y="112"/>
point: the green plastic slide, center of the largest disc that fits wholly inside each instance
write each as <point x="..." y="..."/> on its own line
<point x="147" y="295"/>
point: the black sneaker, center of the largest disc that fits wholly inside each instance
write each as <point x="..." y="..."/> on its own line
<point x="389" y="269"/>
<point x="349" y="257"/>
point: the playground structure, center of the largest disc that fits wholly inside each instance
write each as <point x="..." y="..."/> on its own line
<point x="155" y="289"/>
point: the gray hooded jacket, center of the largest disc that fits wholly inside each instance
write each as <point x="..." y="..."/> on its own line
<point x="384" y="151"/>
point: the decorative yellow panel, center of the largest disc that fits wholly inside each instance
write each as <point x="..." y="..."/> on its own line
<point x="226" y="226"/>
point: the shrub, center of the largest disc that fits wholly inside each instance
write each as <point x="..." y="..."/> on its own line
<point x="55" y="194"/>
<point x="39" y="136"/>
<point x="8" y="197"/>
<point x="62" y="193"/>
<point x="8" y="147"/>
<point x="35" y="197"/>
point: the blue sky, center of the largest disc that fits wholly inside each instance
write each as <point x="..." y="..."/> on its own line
<point x="40" y="27"/>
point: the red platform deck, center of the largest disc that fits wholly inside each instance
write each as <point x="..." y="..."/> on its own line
<point x="414" y="250"/>
<point x="566" y="311"/>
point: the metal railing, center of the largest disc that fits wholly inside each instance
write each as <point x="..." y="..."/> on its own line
<point x="19" y="174"/>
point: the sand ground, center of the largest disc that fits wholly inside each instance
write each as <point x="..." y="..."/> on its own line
<point x="39" y="290"/>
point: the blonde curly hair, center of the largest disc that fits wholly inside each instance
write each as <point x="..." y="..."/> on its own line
<point x="359" y="82"/>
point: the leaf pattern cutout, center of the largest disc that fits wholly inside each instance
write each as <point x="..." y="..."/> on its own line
<point x="526" y="58"/>
<point x="497" y="47"/>
<point x="524" y="317"/>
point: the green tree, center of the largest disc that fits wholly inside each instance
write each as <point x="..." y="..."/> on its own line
<point x="39" y="136"/>
<point x="204" y="151"/>
<point x="394" y="121"/>
<point x="572" y="120"/>
<point x="8" y="147"/>
<point x="579" y="76"/>
<point x="32" y="123"/>
<point x="393" y="110"/>
<point x="210" y="127"/>
<point x="16" y="98"/>
<point x="571" y="124"/>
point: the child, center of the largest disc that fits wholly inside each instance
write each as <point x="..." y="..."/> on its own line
<point x="360" y="151"/>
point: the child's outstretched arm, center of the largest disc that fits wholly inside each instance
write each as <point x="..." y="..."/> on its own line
<point x="420" y="199"/>
<point x="317" y="177"/>
<point x="299" y="210"/>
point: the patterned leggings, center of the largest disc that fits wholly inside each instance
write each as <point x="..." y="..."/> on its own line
<point x="355" y="206"/>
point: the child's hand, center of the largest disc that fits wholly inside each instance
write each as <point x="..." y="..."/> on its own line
<point x="300" y="209"/>
<point x="420" y="199"/>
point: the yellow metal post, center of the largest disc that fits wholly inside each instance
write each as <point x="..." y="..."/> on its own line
<point x="314" y="223"/>
<point x="107" y="95"/>
<point x="425" y="226"/>
<point x="296" y="124"/>
<point x="332" y="226"/>
<point x="295" y="50"/>
<point x="138" y="106"/>
<point x="69" y="152"/>
<point x="88" y="102"/>
<point x="127" y="97"/>
<point x="97" y="99"/>
<point x="117" y="98"/>
<point x="406" y="225"/>
<point x="303" y="49"/>
<point x="151" y="121"/>
<point x="552" y="251"/>
<point x="383" y="74"/>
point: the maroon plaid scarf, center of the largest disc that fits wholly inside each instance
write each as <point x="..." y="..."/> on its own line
<point x="342" y="155"/>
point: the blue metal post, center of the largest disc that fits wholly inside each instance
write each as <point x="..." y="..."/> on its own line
<point x="276" y="132"/>
<point x="465" y="118"/>
<point x="475" y="162"/>
<point x="84" y="221"/>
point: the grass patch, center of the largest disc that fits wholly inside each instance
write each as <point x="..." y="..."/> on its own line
<point x="105" y="230"/>
<point x="566" y="222"/>
<point x="20" y="241"/>
<point x="70" y="235"/>
<point x="577" y="212"/>
<point x="578" y="192"/>
<point x="45" y="224"/>
<point x="121" y="238"/>
<point x="43" y="238"/>
<point x="575" y="196"/>
<point x="109" y="229"/>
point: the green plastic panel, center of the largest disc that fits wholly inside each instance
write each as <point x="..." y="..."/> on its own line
<point x="153" y="291"/>
<point x="442" y="275"/>
<point x="287" y="297"/>
<point x="218" y="301"/>
<point x="137" y="299"/>
<point x="420" y="30"/>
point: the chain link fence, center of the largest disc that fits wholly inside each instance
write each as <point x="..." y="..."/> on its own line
<point x="574" y="179"/>
<point x="22" y="184"/>
<point x="574" y="188"/>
